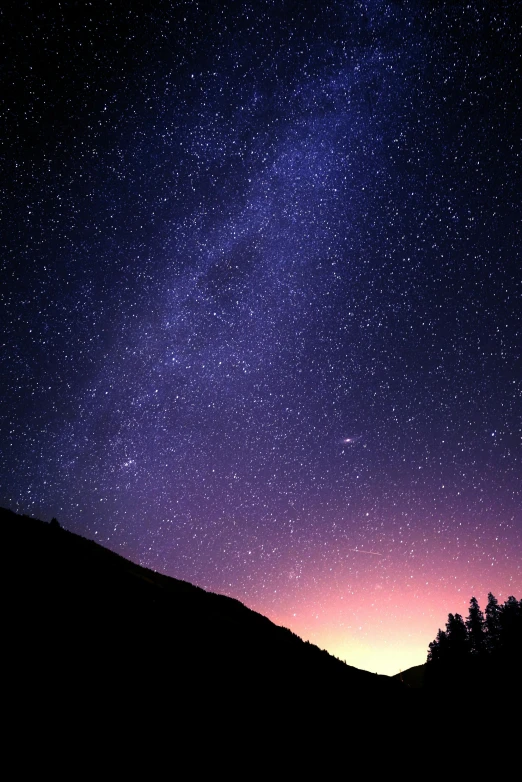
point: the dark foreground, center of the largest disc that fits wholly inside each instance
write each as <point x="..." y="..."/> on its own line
<point x="97" y="642"/>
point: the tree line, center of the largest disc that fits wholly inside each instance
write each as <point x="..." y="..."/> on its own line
<point x="482" y="643"/>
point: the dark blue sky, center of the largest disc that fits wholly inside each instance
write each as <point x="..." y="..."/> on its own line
<point x="261" y="301"/>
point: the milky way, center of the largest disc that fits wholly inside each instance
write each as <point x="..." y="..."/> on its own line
<point x="262" y="302"/>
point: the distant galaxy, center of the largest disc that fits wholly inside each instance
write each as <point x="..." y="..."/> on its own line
<point x="261" y="301"/>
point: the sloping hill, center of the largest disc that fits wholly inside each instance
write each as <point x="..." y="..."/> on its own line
<point x="412" y="677"/>
<point x="82" y="618"/>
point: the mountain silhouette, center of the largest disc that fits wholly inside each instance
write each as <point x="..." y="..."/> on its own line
<point x="82" y="618"/>
<point x="98" y="647"/>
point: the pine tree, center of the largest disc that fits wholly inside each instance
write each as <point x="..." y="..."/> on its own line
<point x="475" y="625"/>
<point x="510" y="621"/>
<point x="438" y="647"/>
<point x="457" y="635"/>
<point x="492" y="623"/>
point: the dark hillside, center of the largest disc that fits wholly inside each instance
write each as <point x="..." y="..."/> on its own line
<point x="412" y="677"/>
<point x="84" y="621"/>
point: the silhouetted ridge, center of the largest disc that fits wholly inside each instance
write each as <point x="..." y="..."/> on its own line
<point x="96" y="622"/>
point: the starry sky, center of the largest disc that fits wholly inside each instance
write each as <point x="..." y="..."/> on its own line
<point x="261" y="322"/>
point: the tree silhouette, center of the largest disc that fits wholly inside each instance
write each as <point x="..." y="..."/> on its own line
<point x="510" y="622"/>
<point x="492" y="623"/>
<point x="438" y="647"/>
<point x="483" y="649"/>
<point x="475" y="627"/>
<point x="457" y="637"/>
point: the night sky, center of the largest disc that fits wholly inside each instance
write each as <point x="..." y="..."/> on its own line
<point x="261" y="317"/>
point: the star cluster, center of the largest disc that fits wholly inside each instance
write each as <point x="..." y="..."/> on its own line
<point x="261" y="301"/>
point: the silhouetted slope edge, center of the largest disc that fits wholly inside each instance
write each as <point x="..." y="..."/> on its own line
<point x="83" y="618"/>
<point x="412" y="677"/>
